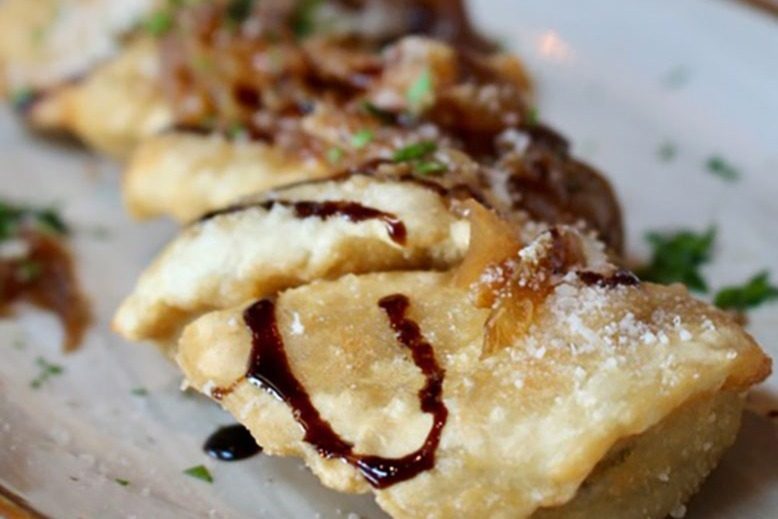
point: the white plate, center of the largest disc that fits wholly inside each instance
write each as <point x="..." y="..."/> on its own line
<point x="619" y="77"/>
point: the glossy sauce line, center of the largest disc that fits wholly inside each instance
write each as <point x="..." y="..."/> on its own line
<point x="269" y="369"/>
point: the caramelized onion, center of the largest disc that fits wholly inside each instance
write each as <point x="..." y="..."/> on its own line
<point x="46" y="278"/>
<point x="512" y="286"/>
<point x="484" y="269"/>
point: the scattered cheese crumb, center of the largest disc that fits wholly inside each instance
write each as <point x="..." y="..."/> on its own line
<point x="296" y="328"/>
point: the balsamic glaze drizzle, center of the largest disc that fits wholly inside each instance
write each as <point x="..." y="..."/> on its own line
<point x="351" y="211"/>
<point x="269" y="369"/>
<point x="232" y="443"/>
<point x="619" y="278"/>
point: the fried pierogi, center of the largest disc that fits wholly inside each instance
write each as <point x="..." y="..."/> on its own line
<point x="298" y="234"/>
<point x="80" y="67"/>
<point x="47" y="43"/>
<point x="328" y="103"/>
<point x="402" y="338"/>
<point x="96" y="69"/>
<point x="334" y="97"/>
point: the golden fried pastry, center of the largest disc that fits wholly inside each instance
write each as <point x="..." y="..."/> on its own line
<point x="68" y="68"/>
<point x="187" y="174"/>
<point x="484" y="367"/>
<point x="298" y="234"/>
<point x="113" y="106"/>
<point x="91" y="68"/>
<point x="323" y="101"/>
<point x="323" y="105"/>
<point x="255" y="111"/>
<point x="615" y="402"/>
<point x="46" y="43"/>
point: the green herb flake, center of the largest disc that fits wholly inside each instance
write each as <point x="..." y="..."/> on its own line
<point x="304" y="19"/>
<point x="533" y="116"/>
<point x="420" y="92"/>
<point x="361" y="139"/>
<point x="46" y="371"/>
<point x="28" y="271"/>
<point x="751" y="294"/>
<point x="722" y="169"/>
<point x="10" y="217"/>
<point x="667" y="151"/>
<point x="385" y="116"/>
<point x="202" y="63"/>
<point x="199" y="472"/>
<point x="238" y="11"/>
<point x="122" y="482"/>
<point x="237" y="131"/>
<point x="677" y="77"/>
<point x="100" y="232"/>
<point x="14" y="217"/>
<point x="414" y="151"/>
<point x="677" y="258"/>
<point x="139" y="391"/>
<point x="48" y="220"/>
<point x="21" y="98"/>
<point x="430" y="168"/>
<point x="335" y="155"/>
<point x="159" y="23"/>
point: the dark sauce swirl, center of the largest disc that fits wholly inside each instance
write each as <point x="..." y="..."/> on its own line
<point x="269" y="369"/>
<point x="351" y="211"/>
<point x="619" y="278"/>
<point x="232" y="443"/>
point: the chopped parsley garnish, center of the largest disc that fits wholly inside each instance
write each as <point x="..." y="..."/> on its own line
<point x="140" y="391"/>
<point x="361" y="139"/>
<point x="420" y="92"/>
<point x="677" y="258"/>
<point x="304" y="19"/>
<point x="385" y="116"/>
<point x="21" y="98"/>
<point x="100" y="232"/>
<point x="238" y="11"/>
<point x="414" y="151"/>
<point x="334" y="155"/>
<point x="49" y="220"/>
<point x="677" y="77"/>
<point x="47" y="370"/>
<point x="13" y="217"/>
<point x="122" y="482"/>
<point x="533" y="116"/>
<point x="667" y="151"/>
<point x="202" y="63"/>
<point x="723" y="169"/>
<point x="237" y="131"/>
<point x="199" y="472"/>
<point x="429" y="168"/>
<point x="159" y="23"/>
<point x="751" y="294"/>
<point x="28" y="271"/>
